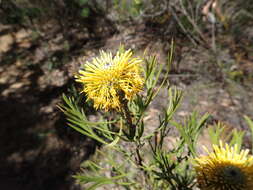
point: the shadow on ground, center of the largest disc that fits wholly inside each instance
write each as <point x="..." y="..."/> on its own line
<point x="37" y="150"/>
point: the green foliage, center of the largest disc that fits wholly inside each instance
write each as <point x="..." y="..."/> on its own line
<point x="175" y="170"/>
<point x="216" y="132"/>
<point x="15" y="14"/>
<point x="99" y="181"/>
<point x="85" y="12"/>
<point x="237" y="75"/>
<point x="99" y="131"/>
<point x="27" y="11"/>
<point x="250" y="124"/>
<point x="220" y="131"/>
<point x="83" y="2"/>
<point x="191" y="130"/>
<point x="128" y="8"/>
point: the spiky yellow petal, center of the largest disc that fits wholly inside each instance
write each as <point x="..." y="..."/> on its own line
<point x="107" y="78"/>
<point x="226" y="168"/>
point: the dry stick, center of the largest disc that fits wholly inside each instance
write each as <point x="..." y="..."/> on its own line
<point x="193" y="39"/>
<point x="183" y="28"/>
<point x="193" y="22"/>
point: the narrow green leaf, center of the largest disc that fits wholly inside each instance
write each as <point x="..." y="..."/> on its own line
<point x="250" y="124"/>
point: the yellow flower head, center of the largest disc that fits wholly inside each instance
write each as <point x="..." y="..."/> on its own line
<point x="226" y="168"/>
<point x="107" y="79"/>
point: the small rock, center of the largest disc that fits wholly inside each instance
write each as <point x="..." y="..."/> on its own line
<point x="5" y="43"/>
<point x="17" y="85"/>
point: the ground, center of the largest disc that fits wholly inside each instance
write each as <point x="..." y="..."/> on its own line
<point x="39" y="151"/>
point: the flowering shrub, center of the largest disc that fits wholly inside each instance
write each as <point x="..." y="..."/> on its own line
<point x="122" y="87"/>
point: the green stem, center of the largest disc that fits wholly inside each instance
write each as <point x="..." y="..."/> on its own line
<point x="127" y="115"/>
